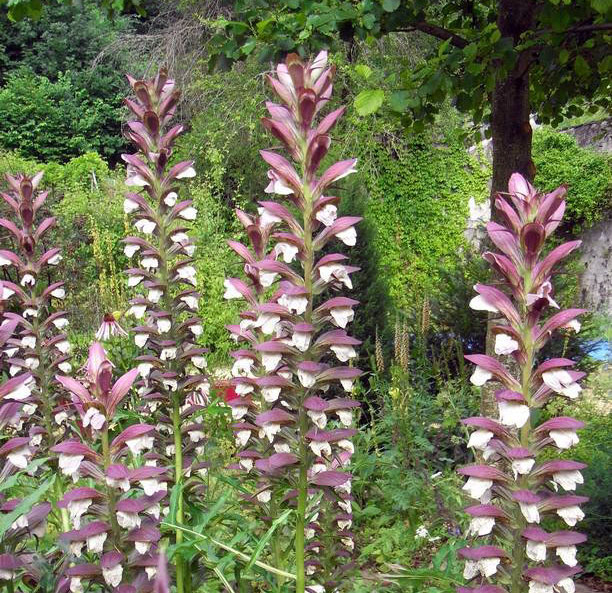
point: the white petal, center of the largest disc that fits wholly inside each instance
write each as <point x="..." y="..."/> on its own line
<point x="536" y="551"/>
<point x="505" y="344"/>
<point x="480" y="376"/>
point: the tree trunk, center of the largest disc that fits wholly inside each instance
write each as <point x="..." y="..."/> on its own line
<point x="510" y="133"/>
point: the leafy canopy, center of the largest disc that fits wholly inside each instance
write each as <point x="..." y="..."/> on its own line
<point x="565" y="49"/>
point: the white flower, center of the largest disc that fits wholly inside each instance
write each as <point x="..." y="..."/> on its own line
<point x="21" y="522"/>
<point x="5" y="262"/>
<point x="566" y="586"/>
<point x="113" y="576"/>
<point x="140" y="444"/>
<point x="19" y="393"/>
<point x="568" y="479"/>
<point x="345" y="416"/>
<point x="480" y="438"/>
<point x="94" y="419"/>
<point x="480" y="376"/>
<point x="264" y="496"/>
<point x="306" y="378"/>
<point x="530" y="512"/>
<point x="287" y="250"/>
<point x="58" y="293"/>
<point x="564" y="438"/>
<point x="95" y="543"/>
<point x="130" y="249"/>
<point x="187" y="273"/>
<point x="130" y="206"/>
<point x="344" y="353"/>
<point x="76" y="548"/>
<point x="574" y="324"/>
<point x="151" y="572"/>
<point x="342" y="316"/>
<point x="168" y="353"/>
<point x="301" y="340"/>
<point x="319" y="419"/>
<point x="142" y="547"/>
<point x="567" y="554"/>
<point x="141" y="339"/>
<point x="76" y="509"/>
<point x="199" y="362"/>
<point x="270" y="360"/>
<point x="149" y="263"/>
<point x="421" y="532"/>
<point x="481" y="526"/>
<point x="63" y="346"/>
<point x="151" y="486"/>
<point x="189" y="213"/>
<point x="28" y="342"/>
<point x="277" y="185"/>
<point x="69" y="464"/>
<point x="246" y="464"/>
<point x="505" y="344"/>
<point x="478" y="303"/>
<point x="29" y="312"/>
<point x="60" y="323"/>
<point x="513" y="413"/>
<point x="348" y="236"/>
<point x="187" y="173"/>
<point x="170" y="199"/>
<point x="270" y="394"/>
<point x="327" y="215"/>
<point x="522" y="466"/>
<point x="155" y="294"/>
<point x="145" y="226"/>
<point x="60" y="418"/>
<point x="537" y="587"/>
<point x="536" y="551"/>
<point x="267" y="322"/>
<point x="230" y="291"/>
<point x="163" y="325"/>
<point x="75" y="585"/>
<point x="270" y="430"/>
<point x="56" y="259"/>
<point x="242" y="437"/>
<point x="347" y="445"/>
<point x="121" y="484"/>
<point x="347" y="384"/>
<point x="5" y="293"/>
<point x="282" y="448"/>
<point x="128" y="520"/>
<point x="191" y="301"/>
<point x="336" y="272"/>
<point x="239" y="412"/>
<point x="266" y="279"/>
<point x="294" y="303"/>
<point x="134" y="280"/>
<point x="560" y="381"/>
<point x="65" y="367"/>
<point x="571" y="515"/>
<point x="28" y="279"/>
<point x="321" y="448"/>
<point x="477" y="487"/>
<point x="196" y="329"/>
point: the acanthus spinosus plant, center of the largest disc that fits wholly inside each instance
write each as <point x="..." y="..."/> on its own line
<point x="292" y="424"/>
<point x="520" y="488"/>
<point x="115" y="520"/>
<point x="33" y="411"/>
<point x="174" y="386"/>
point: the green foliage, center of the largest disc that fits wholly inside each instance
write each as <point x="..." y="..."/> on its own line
<point x="58" y="100"/>
<point x="569" y="63"/>
<point x="54" y="121"/>
<point x="559" y="159"/>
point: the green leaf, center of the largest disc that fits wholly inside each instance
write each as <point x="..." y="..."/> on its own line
<point x="363" y="70"/>
<point x="581" y="67"/>
<point x="390" y="5"/>
<point x="25" y="505"/>
<point x="369" y="101"/>
<point x="261" y="544"/>
<point x="399" y="101"/>
<point x="602" y="6"/>
<point x="249" y="46"/>
<point x="495" y="36"/>
<point x="563" y="56"/>
<point x="175" y="494"/>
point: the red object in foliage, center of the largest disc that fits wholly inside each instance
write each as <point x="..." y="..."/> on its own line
<point x="230" y="394"/>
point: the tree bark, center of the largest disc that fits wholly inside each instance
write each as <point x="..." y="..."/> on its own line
<point x="510" y="133"/>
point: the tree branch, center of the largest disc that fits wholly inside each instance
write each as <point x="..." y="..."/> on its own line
<point x="436" y="31"/>
<point x="579" y="29"/>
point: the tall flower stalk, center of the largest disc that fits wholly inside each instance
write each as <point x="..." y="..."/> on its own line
<point x="115" y="533"/>
<point x="520" y="488"/>
<point x="293" y="426"/>
<point x="32" y="408"/>
<point x="173" y="386"/>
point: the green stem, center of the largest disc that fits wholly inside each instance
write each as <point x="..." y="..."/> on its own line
<point x="178" y="481"/>
<point x="106" y="460"/>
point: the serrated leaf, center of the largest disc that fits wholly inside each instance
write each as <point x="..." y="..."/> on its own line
<point x="369" y="101"/>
